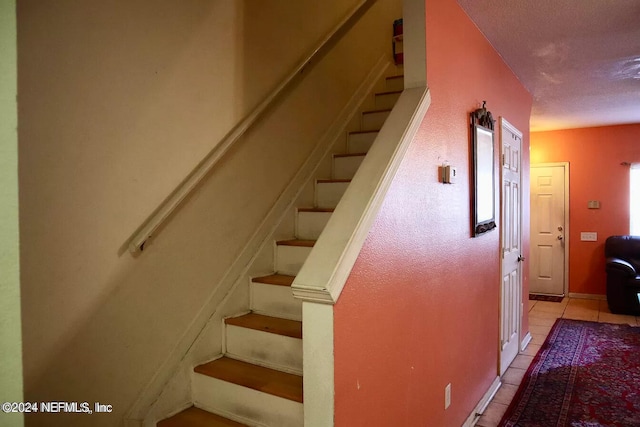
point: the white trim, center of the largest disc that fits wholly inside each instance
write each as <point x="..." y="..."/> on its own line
<point x="261" y="237"/>
<point x="152" y="224"/>
<point x="414" y="43"/>
<point x="329" y="264"/>
<point x="598" y="297"/>
<point x="313" y="294"/>
<point x="634" y="199"/>
<point x="318" y="364"/>
<point x="477" y="412"/>
<point x="567" y="234"/>
<point x="505" y="123"/>
<point x="525" y="341"/>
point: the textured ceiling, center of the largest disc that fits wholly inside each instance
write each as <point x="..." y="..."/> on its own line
<point x="580" y="59"/>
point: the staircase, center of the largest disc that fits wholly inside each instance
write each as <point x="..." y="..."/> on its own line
<point x="258" y="381"/>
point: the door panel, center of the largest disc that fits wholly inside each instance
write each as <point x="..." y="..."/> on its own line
<point x="547" y="273"/>
<point x="515" y="230"/>
<point x="511" y="229"/>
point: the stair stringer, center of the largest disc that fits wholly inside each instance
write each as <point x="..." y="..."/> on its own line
<point x="325" y="272"/>
<point x="169" y="390"/>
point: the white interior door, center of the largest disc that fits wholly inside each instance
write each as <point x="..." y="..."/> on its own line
<point x="511" y="242"/>
<point x="548" y="228"/>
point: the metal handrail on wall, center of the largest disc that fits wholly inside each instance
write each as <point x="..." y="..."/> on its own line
<point x="149" y="228"/>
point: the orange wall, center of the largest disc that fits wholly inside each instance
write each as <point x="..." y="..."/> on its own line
<point x="421" y="307"/>
<point x="595" y="173"/>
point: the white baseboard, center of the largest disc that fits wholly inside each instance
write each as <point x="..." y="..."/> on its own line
<point x="525" y="341"/>
<point x="475" y="415"/>
<point x="598" y="297"/>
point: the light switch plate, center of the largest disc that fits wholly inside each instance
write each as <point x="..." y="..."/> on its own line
<point x="589" y="236"/>
<point x="449" y="174"/>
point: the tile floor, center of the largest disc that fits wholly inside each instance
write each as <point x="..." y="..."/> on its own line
<point x="542" y="316"/>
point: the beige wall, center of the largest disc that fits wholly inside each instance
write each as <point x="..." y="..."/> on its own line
<point x="117" y="103"/>
<point x="10" y="339"/>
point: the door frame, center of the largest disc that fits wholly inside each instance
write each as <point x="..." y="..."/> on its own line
<point x="567" y="234"/>
<point x="504" y="123"/>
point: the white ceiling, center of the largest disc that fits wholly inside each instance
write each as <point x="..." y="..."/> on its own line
<point x="580" y="59"/>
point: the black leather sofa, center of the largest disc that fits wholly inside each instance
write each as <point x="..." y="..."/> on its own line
<point x="623" y="274"/>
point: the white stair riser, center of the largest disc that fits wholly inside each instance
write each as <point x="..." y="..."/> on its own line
<point x="346" y="167"/>
<point x="289" y="259"/>
<point x="274" y="300"/>
<point x="361" y="142"/>
<point x="374" y="121"/>
<point x="394" y="84"/>
<point x="328" y="194"/>
<point x="232" y="400"/>
<point x="387" y="100"/>
<point x="310" y="224"/>
<point x="266" y="349"/>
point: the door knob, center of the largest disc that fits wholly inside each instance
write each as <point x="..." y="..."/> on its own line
<point x="520" y="258"/>
<point x="560" y="228"/>
<point x="560" y="237"/>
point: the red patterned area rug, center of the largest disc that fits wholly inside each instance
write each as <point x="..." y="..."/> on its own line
<point x="586" y="374"/>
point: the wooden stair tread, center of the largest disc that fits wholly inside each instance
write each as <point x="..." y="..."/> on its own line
<point x="399" y="76"/>
<point x="316" y="209"/>
<point x="382" y="110"/>
<point x="332" y="181"/>
<point x="277" y="383"/>
<point x="389" y="92"/>
<point x="296" y="242"/>
<point x="275" y="279"/>
<point x="273" y="325"/>
<point x="355" y="132"/>
<point x="349" y="155"/>
<point x="196" y="417"/>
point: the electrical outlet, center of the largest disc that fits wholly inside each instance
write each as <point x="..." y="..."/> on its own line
<point x="447" y="396"/>
<point x="589" y="236"/>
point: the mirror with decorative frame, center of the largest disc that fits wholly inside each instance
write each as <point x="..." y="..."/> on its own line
<point x="483" y="171"/>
